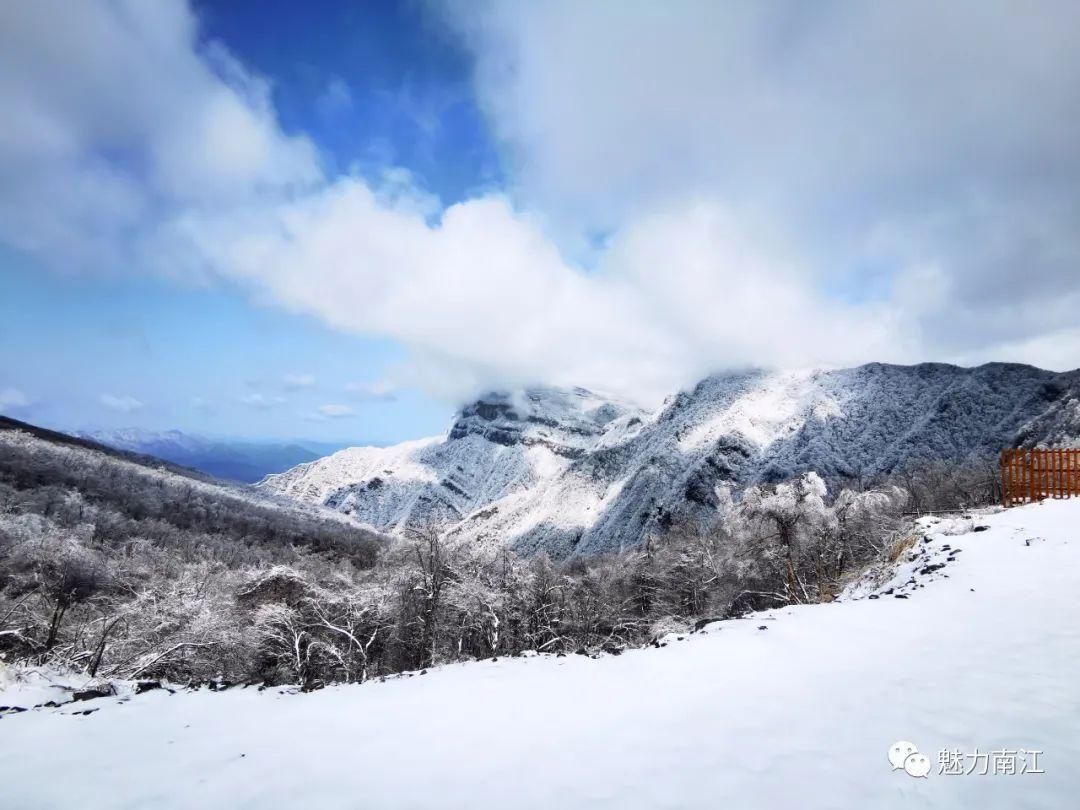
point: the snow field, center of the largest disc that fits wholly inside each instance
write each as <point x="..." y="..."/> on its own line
<point x="800" y="714"/>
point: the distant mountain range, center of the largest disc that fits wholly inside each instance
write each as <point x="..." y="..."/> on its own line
<point x="231" y="460"/>
<point x="568" y="471"/>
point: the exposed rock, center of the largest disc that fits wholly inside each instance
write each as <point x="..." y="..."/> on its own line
<point x="94" y="692"/>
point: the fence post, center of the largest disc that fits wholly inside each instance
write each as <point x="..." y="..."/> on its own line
<point x="1004" y="478"/>
<point x="1031" y="476"/>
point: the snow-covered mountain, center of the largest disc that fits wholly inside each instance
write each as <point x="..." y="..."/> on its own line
<point x="498" y="448"/>
<point x="570" y="472"/>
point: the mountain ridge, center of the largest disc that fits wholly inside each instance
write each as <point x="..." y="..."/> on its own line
<point x="243" y="460"/>
<point x="567" y="471"/>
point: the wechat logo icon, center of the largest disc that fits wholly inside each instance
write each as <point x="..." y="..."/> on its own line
<point x="905" y="756"/>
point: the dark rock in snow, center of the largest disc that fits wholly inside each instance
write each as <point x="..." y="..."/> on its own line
<point x="93" y="693"/>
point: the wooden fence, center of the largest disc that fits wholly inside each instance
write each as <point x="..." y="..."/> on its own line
<point x="1033" y="475"/>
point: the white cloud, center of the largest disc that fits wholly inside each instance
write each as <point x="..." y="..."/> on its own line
<point x="336" y="411"/>
<point x="335" y="99"/>
<point x="262" y="402"/>
<point x="119" y="118"/>
<point x="12" y="398"/>
<point x="124" y="404"/>
<point x="294" y="382"/>
<point x="740" y="159"/>
<point x="772" y="104"/>
<point x="381" y="389"/>
<point x="485" y="293"/>
<point x="871" y="137"/>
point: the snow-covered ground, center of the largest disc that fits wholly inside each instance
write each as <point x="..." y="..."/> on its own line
<point x="794" y="708"/>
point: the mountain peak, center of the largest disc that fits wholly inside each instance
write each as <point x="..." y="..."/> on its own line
<point x="566" y="421"/>
<point x="568" y="471"/>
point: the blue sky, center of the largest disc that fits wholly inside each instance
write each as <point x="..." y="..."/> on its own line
<point x="199" y="359"/>
<point x="373" y="84"/>
<point x="340" y="220"/>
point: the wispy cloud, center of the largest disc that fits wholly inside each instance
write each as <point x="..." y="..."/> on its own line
<point x="294" y="382"/>
<point x="384" y="390"/>
<point x="11" y="398"/>
<point x="335" y="99"/>
<point x="124" y="404"/>
<point x="262" y="402"/>
<point x="336" y="411"/>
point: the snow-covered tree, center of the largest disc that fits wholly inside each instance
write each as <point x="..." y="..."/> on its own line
<point x="792" y="514"/>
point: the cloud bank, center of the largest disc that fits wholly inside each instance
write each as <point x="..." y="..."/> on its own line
<point x="695" y="186"/>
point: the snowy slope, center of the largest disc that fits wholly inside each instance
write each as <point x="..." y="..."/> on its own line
<point x="981" y="653"/>
<point x="498" y="447"/>
<point x="566" y="472"/>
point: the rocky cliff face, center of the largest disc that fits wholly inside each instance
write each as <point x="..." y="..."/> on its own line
<point x="569" y="472"/>
<point x="498" y="447"/>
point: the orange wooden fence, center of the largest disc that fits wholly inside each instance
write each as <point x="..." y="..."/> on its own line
<point x="1033" y="475"/>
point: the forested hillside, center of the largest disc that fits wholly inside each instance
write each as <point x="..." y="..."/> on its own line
<point x="121" y="569"/>
<point x="121" y="563"/>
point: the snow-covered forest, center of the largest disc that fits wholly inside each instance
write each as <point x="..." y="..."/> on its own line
<point x="117" y="569"/>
